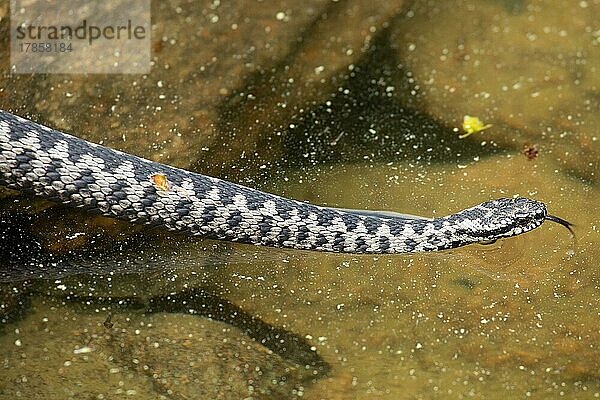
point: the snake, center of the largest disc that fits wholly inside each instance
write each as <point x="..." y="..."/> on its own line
<point x="54" y="165"/>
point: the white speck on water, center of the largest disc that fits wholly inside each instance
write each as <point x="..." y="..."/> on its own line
<point x="18" y="343"/>
<point x="74" y="235"/>
<point x="83" y="350"/>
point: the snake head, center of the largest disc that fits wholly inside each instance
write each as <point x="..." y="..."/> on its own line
<point x="501" y="218"/>
<point x="522" y="213"/>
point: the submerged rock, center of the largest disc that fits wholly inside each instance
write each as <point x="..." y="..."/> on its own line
<point x="530" y="70"/>
<point x="101" y="354"/>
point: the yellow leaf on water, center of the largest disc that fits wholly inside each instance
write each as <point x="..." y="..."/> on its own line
<point x="472" y="125"/>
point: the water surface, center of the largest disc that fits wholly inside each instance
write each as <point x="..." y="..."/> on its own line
<point x="518" y="318"/>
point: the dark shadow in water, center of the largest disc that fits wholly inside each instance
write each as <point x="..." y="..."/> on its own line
<point x="513" y="7"/>
<point x="24" y="257"/>
<point x="286" y="344"/>
<point x="23" y="261"/>
<point x="16" y="237"/>
<point x="362" y="120"/>
<point x="365" y="120"/>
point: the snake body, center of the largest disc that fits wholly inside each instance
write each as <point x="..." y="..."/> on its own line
<point x="72" y="171"/>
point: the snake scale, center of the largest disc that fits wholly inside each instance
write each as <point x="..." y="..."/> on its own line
<point x="72" y="171"/>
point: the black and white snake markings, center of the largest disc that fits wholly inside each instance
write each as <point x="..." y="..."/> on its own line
<point x="72" y="171"/>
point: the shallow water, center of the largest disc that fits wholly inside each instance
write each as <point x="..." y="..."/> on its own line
<point x="518" y="318"/>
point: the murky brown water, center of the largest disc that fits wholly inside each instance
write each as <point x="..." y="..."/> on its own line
<point x="516" y="319"/>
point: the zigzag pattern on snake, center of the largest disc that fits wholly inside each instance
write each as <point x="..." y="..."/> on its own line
<point x="72" y="171"/>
